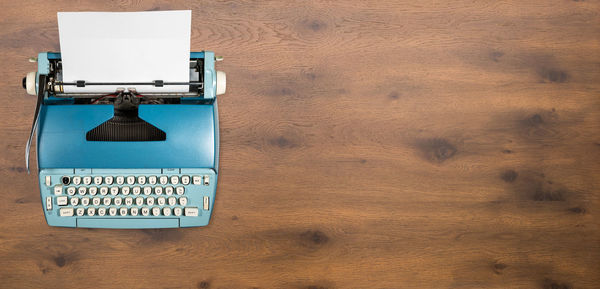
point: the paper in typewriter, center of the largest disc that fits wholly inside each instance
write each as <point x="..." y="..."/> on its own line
<point x="125" y="47"/>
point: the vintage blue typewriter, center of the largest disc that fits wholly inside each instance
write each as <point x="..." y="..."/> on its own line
<point x="126" y="160"/>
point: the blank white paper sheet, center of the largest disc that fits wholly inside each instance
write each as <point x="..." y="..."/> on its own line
<point x="125" y="47"/>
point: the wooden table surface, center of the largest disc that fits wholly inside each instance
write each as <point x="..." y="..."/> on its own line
<point x="381" y="144"/>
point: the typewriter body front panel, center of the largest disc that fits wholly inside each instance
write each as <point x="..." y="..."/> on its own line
<point x="88" y="181"/>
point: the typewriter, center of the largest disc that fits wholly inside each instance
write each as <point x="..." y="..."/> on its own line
<point x="126" y="160"/>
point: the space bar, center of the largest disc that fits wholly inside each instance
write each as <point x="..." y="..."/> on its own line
<point x="127" y="223"/>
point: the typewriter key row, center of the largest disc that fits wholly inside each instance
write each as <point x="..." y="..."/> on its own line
<point x="136" y="190"/>
<point x="132" y="180"/>
<point x="133" y="211"/>
<point x="128" y="201"/>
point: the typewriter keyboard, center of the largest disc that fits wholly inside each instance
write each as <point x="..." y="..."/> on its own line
<point x="162" y="193"/>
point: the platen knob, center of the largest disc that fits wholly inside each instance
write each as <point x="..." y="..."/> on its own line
<point x="29" y="83"/>
<point x="221" y="82"/>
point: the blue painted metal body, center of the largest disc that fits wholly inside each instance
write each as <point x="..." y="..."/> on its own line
<point x="190" y="141"/>
<point x="191" y="146"/>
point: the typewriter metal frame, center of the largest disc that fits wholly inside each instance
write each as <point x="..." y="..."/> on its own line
<point x="191" y="147"/>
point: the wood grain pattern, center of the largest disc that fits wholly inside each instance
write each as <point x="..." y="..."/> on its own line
<point x="365" y="144"/>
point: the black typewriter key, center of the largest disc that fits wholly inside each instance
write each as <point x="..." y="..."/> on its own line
<point x="65" y="180"/>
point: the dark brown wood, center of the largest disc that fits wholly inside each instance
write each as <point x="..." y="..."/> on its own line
<point x="380" y="144"/>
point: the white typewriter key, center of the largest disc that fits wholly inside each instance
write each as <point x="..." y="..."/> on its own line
<point x="180" y="190"/>
<point x="156" y="211"/>
<point x="93" y="190"/>
<point x="74" y="201"/>
<point x="120" y="180"/>
<point x="130" y="180"/>
<point x="183" y="201"/>
<point x="158" y="190"/>
<point x="101" y="212"/>
<point x="161" y="201"/>
<point x="134" y="211"/>
<point x="108" y="180"/>
<point x="128" y="201"/>
<point x="147" y="191"/>
<point x="123" y="211"/>
<point x="139" y="201"/>
<point x="163" y="180"/>
<point x="80" y="212"/>
<point x="185" y="180"/>
<point x="103" y="191"/>
<point x="97" y="180"/>
<point x="48" y="181"/>
<point x="206" y="180"/>
<point x="150" y="201"/>
<point x="168" y="191"/>
<point x="197" y="180"/>
<point x="87" y="180"/>
<point x="71" y="191"/>
<point x="172" y="201"/>
<point x="48" y="203"/>
<point x="206" y="203"/>
<point x="61" y="201"/>
<point x="96" y="201"/>
<point x="85" y="201"/>
<point x="145" y="211"/>
<point x="114" y="191"/>
<point x="112" y="211"/>
<point x="125" y="190"/>
<point x="177" y="211"/>
<point x="118" y="201"/>
<point x="58" y="190"/>
<point x="174" y="180"/>
<point x="136" y="190"/>
<point x="106" y="201"/>
<point x="82" y="190"/>
<point x="76" y="181"/>
<point x="191" y="212"/>
<point x="91" y="211"/>
<point x="167" y="211"/>
<point x="66" y="212"/>
<point x="141" y="180"/>
<point x="152" y="180"/>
